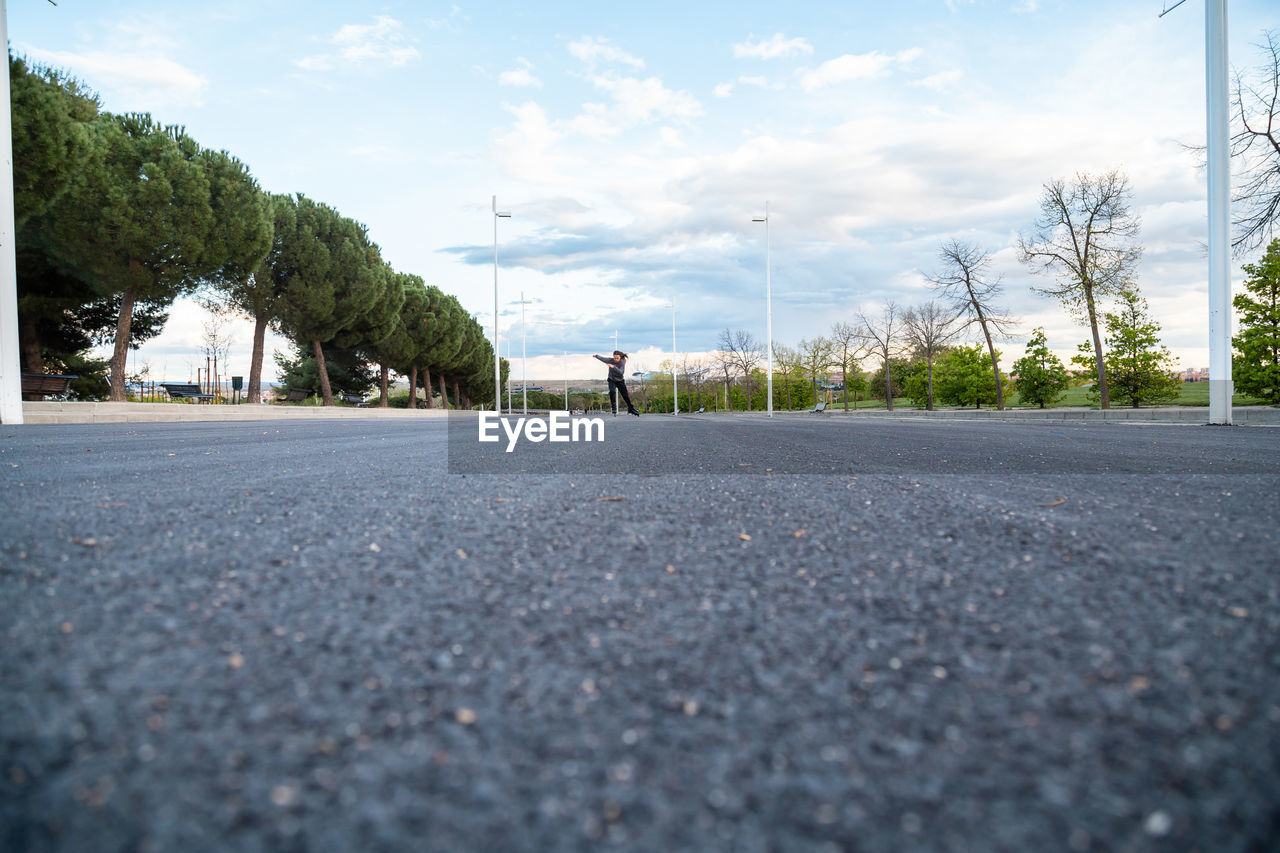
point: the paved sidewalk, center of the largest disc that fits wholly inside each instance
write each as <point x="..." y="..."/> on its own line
<point x="99" y="413"/>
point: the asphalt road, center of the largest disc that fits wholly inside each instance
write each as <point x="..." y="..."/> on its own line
<point x="803" y="634"/>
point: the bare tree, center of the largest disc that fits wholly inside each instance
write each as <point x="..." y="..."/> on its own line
<point x="722" y="362"/>
<point x="848" y="344"/>
<point x="215" y="340"/>
<point x="745" y="352"/>
<point x="1086" y="236"/>
<point x="1256" y="149"/>
<point x="815" y="356"/>
<point x="695" y="371"/>
<point x="928" y="328"/>
<point x="786" y="361"/>
<point x="882" y="336"/>
<point x="965" y="283"/>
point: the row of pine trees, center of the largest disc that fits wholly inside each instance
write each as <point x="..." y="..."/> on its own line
<point x="118" y="215"/>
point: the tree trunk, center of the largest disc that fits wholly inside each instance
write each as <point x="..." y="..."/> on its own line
<point x="844" y="386"/>
<point x="384" y="399"/>
<point x="254" y="394"/>
<point x="991" y="350"/>
<point x="426" y="383"/>
<point x="457" y="393"/>
<point x="1104" y="393"/>
<point x="888" y="385"/>
<point x="929" y="370"/>
<point x="444" y="394"/>
<point x="326" y="390"/>
<point x="31" y="345"/>
<point x="413" y="387"/>
<point x="121" y="350"/>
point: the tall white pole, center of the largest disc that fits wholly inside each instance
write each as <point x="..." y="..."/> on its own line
<point x="768" y="301"/>
<point x="1215" y="57"/>
<point x="497" y="353"/>
<point x="10" y="368"/>
<point x="675" y="388"/>
<point x="614" y="394"/>
<point x="510" y="407"/>
<point x="524" y="381"/>
<point x="497" y="361"/>
<point x="768" y="310"/>
<point x="566" y="381"/>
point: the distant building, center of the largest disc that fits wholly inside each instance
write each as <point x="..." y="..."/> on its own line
<point x="1195" y="374"/>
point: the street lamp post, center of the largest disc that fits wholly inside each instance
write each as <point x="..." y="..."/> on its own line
<point x="768" y="309"/>
<point x="1218" y="174"/>
<point x="675" y="389"/>
<point x="614" y="395"/>
<point x="524" y="381"/>
<point x="566" y="381"/>
<point x="10" y="363"/>
<point x="1219" y="190"/>
<point x="497" y="358"/>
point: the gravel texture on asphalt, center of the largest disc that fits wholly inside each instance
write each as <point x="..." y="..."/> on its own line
<point x="311" y="636"/>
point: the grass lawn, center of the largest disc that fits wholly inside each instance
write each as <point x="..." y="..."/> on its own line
<point x="1189" y="394"/>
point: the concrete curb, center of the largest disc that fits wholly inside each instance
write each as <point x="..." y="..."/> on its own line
<point x="89" y="413"/>
<point x="1240" y="415"/>
<point x="1176" y="415"/>
<point x="104" y="413"/>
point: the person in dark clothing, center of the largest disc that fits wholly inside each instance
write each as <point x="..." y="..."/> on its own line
<point x="617" y="384"/>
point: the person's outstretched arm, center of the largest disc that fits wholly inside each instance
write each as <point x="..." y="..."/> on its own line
<point x="602" y="358"/>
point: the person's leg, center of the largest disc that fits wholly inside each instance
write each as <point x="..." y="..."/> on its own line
<point x="622" y="389"/>
<point x="613" y="394"/>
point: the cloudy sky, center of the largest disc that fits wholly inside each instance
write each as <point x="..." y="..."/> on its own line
<point x="634" y="143"/>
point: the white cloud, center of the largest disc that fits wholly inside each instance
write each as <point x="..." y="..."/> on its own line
<point x="941" y="80"/>
<point x="522" y="76"/>
<point x="908" y="56"/>
<point x="777" y="47"/>
<point x="381" y="43"/>
<point x="526" y="147"/>
<point x="144" y="80"/>
<point x="671" y="138"/>
<point x="854" y="66"/>
<point x="723" y="90"/>
<point x="593" y="49"/>
<point x="844" y="68"/>
<point x="634" y="101"/>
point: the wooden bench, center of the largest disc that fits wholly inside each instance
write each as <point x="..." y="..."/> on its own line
<point x="41" y="385"/>
<point x="295" y="395"/>
<point x="185" y="391"/>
